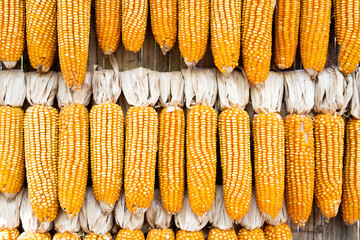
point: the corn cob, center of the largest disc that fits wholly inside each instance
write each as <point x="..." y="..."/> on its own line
<point x="134" y="20"/>
<point x="256" y="39"/>
<point x="73" y="26"/>
<point x="216" y="233"/>
<point x="67" y="236"/>
<point x="67" y="228"/>
<point x="36" y="236"/>
<point x="185" y="235"/>
<point x="164" y="23"/>
<point x="287" y="16"/>
<point x="108" y="24"/>
<point x="225" y="33"/>
<point x="193" y="30"/>
<point x="9" y="234"/>
<point x="163" y="234"/>
<point x="12" y="31"/>
<point x="125" y="234"/>
<point x="256" y="234"/>
<point x="41" y="33"/>
<point x="277" y="232"/>
<point x="93" y="236"/>
<point x="314" y="34"/>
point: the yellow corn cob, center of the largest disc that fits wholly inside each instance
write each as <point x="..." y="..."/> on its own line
<point x="216" y="233"/>
<point x="73" y="25"/>
<point x="108" y="24"/>
<point x="347" y="32"/>
<point x="257" y="17"/>
<point x="107" y="152"/>
<point x="329" y="147"/>
<point x="163" y="234"/>
<point x="41" y="33"/>
<point x="12" y="162"/>
<point x="164" y="23"/>
<point x="314" y="34"/>
<point x="41" y="159"/>
<point x="225" y="33"/>
<point x="66" y="236"/>
<point x="193" y="29"/>
<point x="287" y="17"/>
<point x="185" y="235"/>
<point x="9" y="234"/>
<point x="171" y="159"/>
<point x="350" y="206"/>
<point x="125" y="234"/>
<point x="73" y="157"/>
<point x="234" y="132"/>
<point x="278" y="232"/>
<point x="269" y="162"/>
<point x="36" y="236"/>
<point x="201" y="157"/>
<point x="140" y="156"/>
<point x="256" y="234"/>
<point x="93" y="236"/>
<point x="134" y="20"/>
<point x="12" y="31"/>
<point x="300" y="167"/>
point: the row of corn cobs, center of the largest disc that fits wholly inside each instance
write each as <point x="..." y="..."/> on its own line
<point x="233" y="23"/>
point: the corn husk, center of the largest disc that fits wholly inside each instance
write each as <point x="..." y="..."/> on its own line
<point x="171" y="89"/>
<point x="106" y="86"/>
<point x="253" y="218"/>
<point x="41" y="88"/>
<point x="156" y="215"/>
<point x="354" y="107"/>
<point x="12" y="88"/>
<point x="281" y="218"/>
<point x="10" y="211"/>
<point x="124" y="218"/>
<point x="63" y="223"/>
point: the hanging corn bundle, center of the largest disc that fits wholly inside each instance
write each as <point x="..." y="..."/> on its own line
<point x="33" y="229"/>
<point x="41" y="33"/>
<point x="350" y="206"/>
<point x="299" y="148"/>
<point x="106" y="139"/>
<point x="200" y="93"/>
<point x="12" y="160"/>
<point x="269" y="145"/>
<point x="190" y="224"/>
<point x="41" y="144"/>
<point x="332" y="94"/>
<point x="251" y="223"/>
<point x="159" y="220"/>
<point x="171" y="158"/>
<point x="222" y="224"/>
<point x="141" y="90"/>
<point x="10" y="216"/>
<point x="234" y="132"/>
<point x="12" y="31"/>
<point x="66" y="227"/>
<point x="277" y="229"/>
<point x="129" y="223"/>
<point x="93" y="222"/>
<point x="73" y="144"/>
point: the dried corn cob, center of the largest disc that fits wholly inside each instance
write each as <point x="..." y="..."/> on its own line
<point x="163" y="234"/>
<point x="185" y="235"/>
<point x="216" y="233"/>
<point x="277" y="232"/>
<point x="9" y="216"/>
<point x="256" y="234"/>
<point x="67" y="228"/>
<point x="93" y="236"/>
<point x="67" y="236"/>
<point x="125" y="234"/>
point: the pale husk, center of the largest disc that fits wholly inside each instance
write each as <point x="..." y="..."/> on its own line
<point x="126" y="219"/>
<point x="253" y="218"/>
<point x="41" y="88"/>
<point x="234" y="91"/>
<point x="200" y="87"/>
<point x="332" y="92"/>
<point x="354" y="107"/>
<point x="187" y="220"/>
<point x="106" y="86"/>
<point x="63" y="223"/>
<point x="281" y="218"/>
<point x="12" y="88"/>
<point x="91" y="218"/>
<point x="156" y="215"/>
<point x="29" y="222"/>
<point x="268" y="97"/>
<point x="10" y="211"/>
<point x="141" y="86"/>
<point x="299" y="92"/>
<point x="67" y="96"/>
<point x="218" y="216"/>
<point x="171" y="89"/>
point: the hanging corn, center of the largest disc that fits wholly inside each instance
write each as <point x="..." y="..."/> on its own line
<point x="67" y="228"/>
<point x="277" y="228"/>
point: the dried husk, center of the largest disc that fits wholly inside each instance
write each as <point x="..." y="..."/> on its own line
<point x="12" y="88"/>
<point x="41" y="88"/>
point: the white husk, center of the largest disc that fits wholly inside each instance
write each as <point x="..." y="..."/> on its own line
<point x="187" y="220"/>
<point x="41" y="88"/>
<point x="171" y="89"/>
<point x="92" y="220"/>
<point x="10" y="211"/>
<point x="253" y="218"/>
<point x="156" y="215"/>
<point x="268" y="97"/>
<point x="67" y="96"/>
<point x="354" y="107"/>
<point x="332" y="92"/>
<point x="141" y="86"/>
<point x="106" y="86"/>
<point x="218" y="216"/>
<point x="281" y="218"/>
<point x="124" y="218"/>
<point x="63" y="223"/>
<point x="12" y="88"/>
<point x="29" y="222"/>
<point x="200" y="86"/>
<point x="233" y="90"/>
<point x="299" y="92"/>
